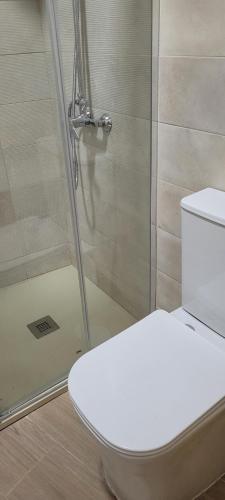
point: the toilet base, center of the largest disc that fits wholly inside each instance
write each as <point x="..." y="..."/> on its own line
<point x="182" y="473"/>
<point x="112" y="492"/>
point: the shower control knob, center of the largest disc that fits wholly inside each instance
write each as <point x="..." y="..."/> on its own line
<point x="105" y="121"/>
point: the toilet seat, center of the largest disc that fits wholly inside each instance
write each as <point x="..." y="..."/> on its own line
<point x="144" y="389"/>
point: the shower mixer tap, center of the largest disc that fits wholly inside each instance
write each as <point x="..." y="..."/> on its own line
<point x="86" y="120"/>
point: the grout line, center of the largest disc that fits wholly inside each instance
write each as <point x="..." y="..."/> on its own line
<point x="168" y="232"/>
<point x="168" y="276"/>
<point x="171" y="124"/>
<point x="25" y="475"/>
<point x="58" y="443"/>
<point x="23" y="53"/>
<point x="191" y="191"/>
<point x="182" y="56"/>
<point x="91" y="471"/>
<point x="176" y="185"/>
<point x="45" y="99"/>
<point x="55" y="444"/>
<point x="38" y="253"/>
<point x="127" y="115"/>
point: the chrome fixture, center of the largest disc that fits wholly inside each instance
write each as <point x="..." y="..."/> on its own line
<point x="85" y="120"/>
<point x="79" y="111"/>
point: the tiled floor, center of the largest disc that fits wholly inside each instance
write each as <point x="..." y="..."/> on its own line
<point x="48" y="455"/>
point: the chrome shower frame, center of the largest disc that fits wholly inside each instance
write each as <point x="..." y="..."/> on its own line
<point x="71" y="180"/>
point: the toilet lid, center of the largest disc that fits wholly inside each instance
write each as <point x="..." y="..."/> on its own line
<point x="144" y="388"/>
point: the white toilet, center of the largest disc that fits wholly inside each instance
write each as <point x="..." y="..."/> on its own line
<point x="154" y="395"/>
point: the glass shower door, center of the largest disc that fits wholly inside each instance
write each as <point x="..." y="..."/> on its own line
<point x="41" y="322"/>
<point x="113" y="171"/>
<point x="75" y="212"/>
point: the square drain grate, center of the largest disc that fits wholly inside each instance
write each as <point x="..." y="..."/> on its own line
<point x="42" y="327"/>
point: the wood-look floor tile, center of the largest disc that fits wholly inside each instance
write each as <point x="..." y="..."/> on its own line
<point x="60" y="476"/>
<point x="217" y="492"/>
<point x="59" y="420"/>
<point x="22" y="445"/>
<point x="49" y="455"/>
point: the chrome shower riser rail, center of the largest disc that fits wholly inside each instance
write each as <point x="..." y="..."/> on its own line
<point x="85" y="116"/>
<point x="71" y="181"/>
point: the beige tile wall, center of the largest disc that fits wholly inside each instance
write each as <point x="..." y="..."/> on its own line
<point x="114" y="190"/>
<point x="33" y="195"/>
<point x="191" y="129"/>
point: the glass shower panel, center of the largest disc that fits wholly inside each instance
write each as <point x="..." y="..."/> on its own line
<point x="41" y="325"/>
<point x="113" y="194"/>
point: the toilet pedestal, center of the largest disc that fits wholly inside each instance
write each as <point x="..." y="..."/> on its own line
<point x="158" y="416"/>
<point x="181" y="473"/>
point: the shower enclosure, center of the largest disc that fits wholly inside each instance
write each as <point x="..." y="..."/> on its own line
<point x="75" y="186"/>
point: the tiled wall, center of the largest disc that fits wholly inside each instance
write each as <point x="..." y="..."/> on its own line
<point x="114" y="189"/>
<point x="191" y="128"/>
<point x="33" y="197"/>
